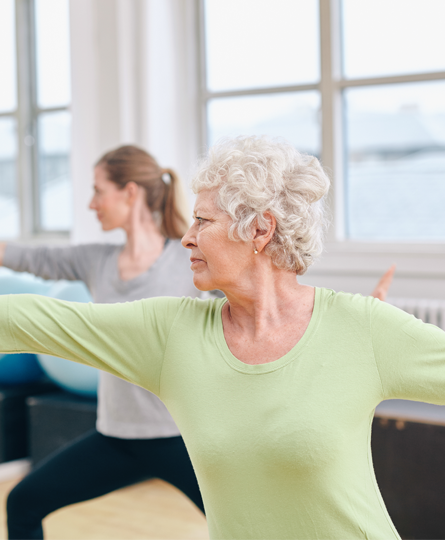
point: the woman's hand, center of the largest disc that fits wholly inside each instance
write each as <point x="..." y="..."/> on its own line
<point x="2" y="252"/>
<point x="383" y="285"/>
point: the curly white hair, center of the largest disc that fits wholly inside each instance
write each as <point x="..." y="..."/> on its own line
<point x="253" y="175"/>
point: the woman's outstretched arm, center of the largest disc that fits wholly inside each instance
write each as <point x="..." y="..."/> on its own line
<point x="70" y="262"/>
<point x="409" y="354"/>
<point x="127" y="340"/>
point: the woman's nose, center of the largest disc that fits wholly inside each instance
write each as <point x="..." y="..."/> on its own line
<point x="189" y="240"/>
<point x="93" y="203"/>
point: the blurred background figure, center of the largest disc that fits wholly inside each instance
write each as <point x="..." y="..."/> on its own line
<point x="136" y="438"/>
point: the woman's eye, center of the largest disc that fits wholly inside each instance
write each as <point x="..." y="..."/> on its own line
<point x="200" y="219"/>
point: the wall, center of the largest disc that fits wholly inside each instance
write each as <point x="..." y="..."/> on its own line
<point x="353" y="267"/>
<point x="133" y="82"/>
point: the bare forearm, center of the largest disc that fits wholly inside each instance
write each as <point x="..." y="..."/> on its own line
<point x="2" y="252"/>
<point x="383" y="285"/>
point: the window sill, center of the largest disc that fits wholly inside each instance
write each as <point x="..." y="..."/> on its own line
<point x="371" y="259"/>
<point x="372" y="247"/>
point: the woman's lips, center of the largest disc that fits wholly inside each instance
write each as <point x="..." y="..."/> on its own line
<point x="195" y="261"/>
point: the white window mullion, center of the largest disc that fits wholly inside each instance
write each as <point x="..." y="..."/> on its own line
<point x="332" y="113"/>
<point x="26" y="126"/>
<point x="202" y="74"/>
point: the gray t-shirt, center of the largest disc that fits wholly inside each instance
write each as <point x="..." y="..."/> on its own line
<point x="124" y="410"/>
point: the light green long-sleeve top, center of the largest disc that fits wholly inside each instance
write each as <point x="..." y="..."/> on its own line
<point x="281" y="450"/>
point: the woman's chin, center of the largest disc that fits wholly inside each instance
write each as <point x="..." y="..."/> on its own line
<point x="106" y="226"/>
<point x="202" y="283"/>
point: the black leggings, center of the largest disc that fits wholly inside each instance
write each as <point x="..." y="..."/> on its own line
<point x="93" y="466"/>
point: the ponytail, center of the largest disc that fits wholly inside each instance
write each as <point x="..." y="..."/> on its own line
<point x="174" y="224"/>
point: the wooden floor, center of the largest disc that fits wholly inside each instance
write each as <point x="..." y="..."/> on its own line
<point x="144" y="511"/>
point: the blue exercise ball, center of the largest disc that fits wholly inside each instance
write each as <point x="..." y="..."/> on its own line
<point x="18" y="369"/>
<point x="22" y="283"/>
<point x="23" y="368"/>
<point x="76" y="378"/>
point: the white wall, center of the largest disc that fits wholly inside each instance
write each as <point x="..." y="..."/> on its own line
<point x="356" y="267"/>
<point x="133" y="82"/>
<point x="172" y="83"/>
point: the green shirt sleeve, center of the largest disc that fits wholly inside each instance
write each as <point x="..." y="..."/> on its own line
<point x="127" y="340"/>
<point x="410" y="355"/>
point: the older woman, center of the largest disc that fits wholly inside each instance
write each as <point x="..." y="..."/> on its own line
<point x="273" y="387"/>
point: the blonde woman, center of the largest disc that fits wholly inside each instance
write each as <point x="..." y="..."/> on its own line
<point x="136" y="438"/>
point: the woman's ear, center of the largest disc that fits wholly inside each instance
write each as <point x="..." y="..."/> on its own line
<point x="132" y="191"/>
<point x="263" y="236"/>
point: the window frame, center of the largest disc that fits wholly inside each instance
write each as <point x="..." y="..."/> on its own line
<point x="331" y="87"/>
<point x="26" y="114"/>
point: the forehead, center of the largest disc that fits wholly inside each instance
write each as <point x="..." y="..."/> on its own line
<point x="205" y="201"/>
<point x="101" y="177"/>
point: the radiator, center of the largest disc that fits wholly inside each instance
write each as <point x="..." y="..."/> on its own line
<point x="429" y="311"/>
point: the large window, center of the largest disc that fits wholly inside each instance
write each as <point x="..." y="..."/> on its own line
<point x="35" y="196"/>
<point x="360" y="83"/>
<point x="254" y="81"/>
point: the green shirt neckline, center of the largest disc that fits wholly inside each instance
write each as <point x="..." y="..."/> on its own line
<point x="269" y="367"/>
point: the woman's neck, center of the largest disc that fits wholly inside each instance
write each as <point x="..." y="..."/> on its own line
<point x="142" y="240"/>
<point x="267" y="317"/>
<point x="143" y="246"/>
<point x="268" y="298"/>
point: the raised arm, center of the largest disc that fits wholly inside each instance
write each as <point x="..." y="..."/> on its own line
<point x="382" y="287"/>
<point x="410" y="355"/>
<point x="2" y="252"/>
<point x="127" y="340"/>
<point x="72" y="262"/>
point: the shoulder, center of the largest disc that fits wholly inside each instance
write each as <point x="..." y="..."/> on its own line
<point x="96" y="254"/>
<point x="175" y="250"/>
<point x="175" y="258"/>
<point x="363" y="310"/>
<point x="346" y="308"/>
<point x="184" y="305"/>
<point x="184" y="312"/>
<point x="98" y="248"/>
<point x="330" y="299"/>
<point x="173" y="273"/>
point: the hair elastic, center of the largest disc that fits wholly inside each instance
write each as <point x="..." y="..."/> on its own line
<point x="166" y="178"/>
